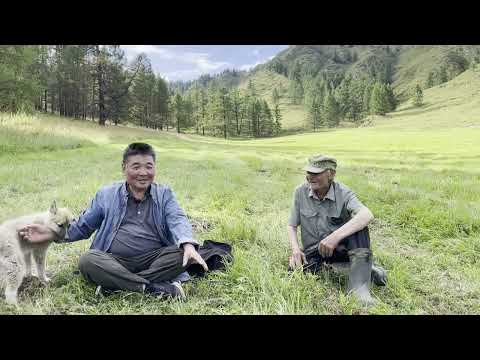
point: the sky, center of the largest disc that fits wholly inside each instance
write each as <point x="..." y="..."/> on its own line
<point x="188" y="62"/>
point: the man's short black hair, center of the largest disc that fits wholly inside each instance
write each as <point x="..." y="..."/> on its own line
<point x="137" y="149"/>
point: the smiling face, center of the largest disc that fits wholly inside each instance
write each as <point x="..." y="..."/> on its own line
<point x="139" y="171"/>
<point x="320" y="182"/>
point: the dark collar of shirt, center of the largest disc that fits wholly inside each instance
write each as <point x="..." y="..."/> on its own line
<point x="129" y="194"/>
<point x="330" y="193"/>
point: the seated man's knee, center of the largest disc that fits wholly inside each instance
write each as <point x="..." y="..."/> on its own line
<point x="87" y="260"/>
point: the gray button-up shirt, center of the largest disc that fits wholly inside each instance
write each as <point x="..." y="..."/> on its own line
<point x="137" y="233"/>
<point x="320" y="217"/>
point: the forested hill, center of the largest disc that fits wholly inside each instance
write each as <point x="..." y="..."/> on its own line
<point x="303" y="88"/>
<point x="325" y="85"/>
<point x="400" y="65"/>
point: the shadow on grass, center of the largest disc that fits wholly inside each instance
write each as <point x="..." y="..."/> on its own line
<point x="413" y="110"/>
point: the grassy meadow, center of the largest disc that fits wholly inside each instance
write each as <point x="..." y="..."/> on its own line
<point x="421" y="181"/>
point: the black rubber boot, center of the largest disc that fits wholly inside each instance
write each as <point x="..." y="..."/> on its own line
<point x="360" y="275"/>
<point x="379" y="275"/>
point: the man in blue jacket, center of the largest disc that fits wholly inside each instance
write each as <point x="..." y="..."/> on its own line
<point x="144" y="241"/>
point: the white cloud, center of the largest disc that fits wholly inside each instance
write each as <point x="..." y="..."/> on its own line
<point x="247" y="67"/>
<point x="202" y="61"/>
<point x="199" y="62"/>
<point x="182" y="74"/>
<point x="256" y="52"/>
<point x="133" y="50"/>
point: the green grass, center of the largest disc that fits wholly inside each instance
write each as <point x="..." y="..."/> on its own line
<point x="413" y="66"/>
<point x="421" y="182"/>
<point x="455" y="104"/>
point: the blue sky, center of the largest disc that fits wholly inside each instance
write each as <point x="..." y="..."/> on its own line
<point x="188" y="62"/>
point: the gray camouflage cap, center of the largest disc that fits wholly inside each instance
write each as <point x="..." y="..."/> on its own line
<point x="319" y="163"/>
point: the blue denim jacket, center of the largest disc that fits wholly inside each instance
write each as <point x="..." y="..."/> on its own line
<point x="108" y="209"/>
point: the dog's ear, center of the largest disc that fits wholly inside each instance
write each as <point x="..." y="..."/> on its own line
<point x="53" y="208"/>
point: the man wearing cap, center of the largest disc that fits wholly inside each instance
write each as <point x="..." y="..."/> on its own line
<point x="334" y="229"/>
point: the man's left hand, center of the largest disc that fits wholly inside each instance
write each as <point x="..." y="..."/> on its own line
<point x="190" y="255"/>
<point x="328" y="245"/>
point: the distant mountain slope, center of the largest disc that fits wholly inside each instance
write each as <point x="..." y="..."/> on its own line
<point x="402" y="65"/>
<point x="455" y="104"/>
<point x="433" y="67"/>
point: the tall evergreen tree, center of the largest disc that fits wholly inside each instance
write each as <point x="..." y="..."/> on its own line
<point x="418" y="96"/>
<point x="161" y="102"/>
<point x="295" y="85"/>
<point x="225" y="110"/>
<point x="278" y="119"/>
<point x="331" y="111"/>
<point x="442" y="75"/>
<point x="275" y="96"/>
<point x="237" y="103"/>
<point x="391" y="99"/>
<point x="19" y="85"/>
<point x="367" y="95"/>
<point x="430" y="80"/>
<point x="179" y="111"/>
<point x="315" y="113"/>
<point x="379" y="102"/>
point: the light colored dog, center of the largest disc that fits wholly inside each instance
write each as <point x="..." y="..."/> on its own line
<point x="16" y="253"/>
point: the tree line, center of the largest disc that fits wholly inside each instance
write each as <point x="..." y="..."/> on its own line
<point x="97" y="83"/>
<point x="331" y="97"/>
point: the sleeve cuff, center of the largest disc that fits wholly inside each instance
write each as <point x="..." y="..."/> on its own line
<point x="188" y="241"/>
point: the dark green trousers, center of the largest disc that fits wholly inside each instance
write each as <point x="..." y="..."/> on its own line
<point x="120" y="273"/>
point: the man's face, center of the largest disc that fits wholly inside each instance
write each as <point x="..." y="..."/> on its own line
<point x="319" y="182"/>
<point x="139" y="171"/>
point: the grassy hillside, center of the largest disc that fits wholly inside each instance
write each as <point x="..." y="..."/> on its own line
<point x="413" y="66"/>
<point x="293" y="116"/>
<point x="455" y="103"/>
<point x="422" y="184"/>
<point x="410" y="64"/>
<point x="449" y="105"/>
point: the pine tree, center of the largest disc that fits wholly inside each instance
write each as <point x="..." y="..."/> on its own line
<point x="390" y="95"/>
<point x="214" y="109"/>
<point x="331" y="111"/>
<point x="344" y="97"/>
<point x="203" y="110"/>
<point x="430" y="80"/>
<point x="275" y="96"/>
<point x="418" y="96"/>
<point x="188" y="110"/>
<point x="161" y="102"/>
<point x="237" y="103"/>
<point x="225" y="110"/>
<point x="19" y="86"/>
<point x="295" y="85"/>
<point x="278" y="119"/>
<point x="379" y="102"/>
<point x="442" y="75"/>
<point x="367" y="95"/>
<point x="179" y="111"/>
<point x="356" y="100"/>
<point x="142" y="94"/>
<point x="267" y="126"/>
<point x="315" y="113"/>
